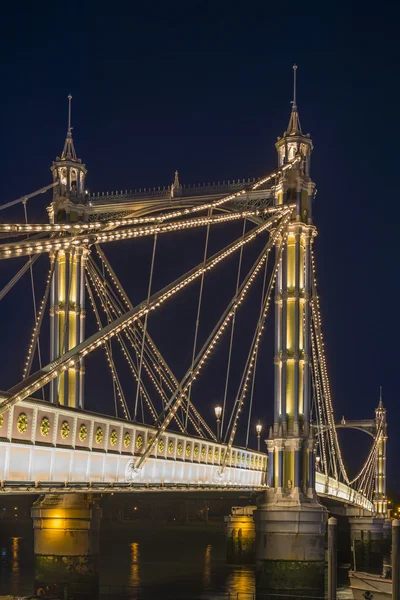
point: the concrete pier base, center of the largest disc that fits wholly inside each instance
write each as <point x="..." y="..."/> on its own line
<point x="290" y="532"/>
<point x="66" y="544"/>
<point x="366" y="534"/>
<point x="240" y="535"/>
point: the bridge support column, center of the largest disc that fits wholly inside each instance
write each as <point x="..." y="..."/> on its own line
<point x="366" y="534"/>
<point x="66" y="544"/>
<point x="290" y="533"/>
<point x="240" y="535"/>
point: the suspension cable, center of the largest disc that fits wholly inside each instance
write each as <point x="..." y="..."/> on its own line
<point x="240" y="397"/>
<point x="31" y="261"/>
<point x="165" y="374"/>
<point x="135" y="343"/>
<point x="38" y="323"/>
<point x="27" y="196"/>
<point x="73" y="356"/>
<point x="24" y="202"/>
<point x="228" y="366"/>
<point x="107" y="347"/>
<point x="177" y="399"/>
<point x="256" y="359"/>
<point x="145" y="322"/>
<point x="198" y="313"/>
<point x="107" y="305"/>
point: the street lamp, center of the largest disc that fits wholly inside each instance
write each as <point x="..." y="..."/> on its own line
<point x="218" y="413"/>
<point x="317" y="461"/>
<point x="259" y="430"/>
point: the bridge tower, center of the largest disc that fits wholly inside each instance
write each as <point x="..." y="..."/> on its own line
<point x="380" y="499"/>
<point x="290" y="523"/>
<point x="67" y="300"/>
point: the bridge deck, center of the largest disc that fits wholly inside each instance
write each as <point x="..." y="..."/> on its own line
<point x="44" y="447"/>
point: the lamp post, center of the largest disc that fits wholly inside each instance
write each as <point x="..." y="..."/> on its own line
<point x="218" y="413"/>
<point x="259" y="430"/>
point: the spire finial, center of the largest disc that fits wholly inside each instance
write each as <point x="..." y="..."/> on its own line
<point x="380" y="397"/>
<point x="294" y="127"/>
<point x="69" y="150"/>
<point x="69" y="115"/>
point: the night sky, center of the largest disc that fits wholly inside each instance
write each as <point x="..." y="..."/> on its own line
<point x="205" y="87"/>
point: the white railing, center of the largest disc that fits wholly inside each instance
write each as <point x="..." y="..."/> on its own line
<point x="329" y="487"/>
<point x="42" y="443"/>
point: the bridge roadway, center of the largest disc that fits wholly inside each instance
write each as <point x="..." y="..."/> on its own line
<point x="48" y="448"/>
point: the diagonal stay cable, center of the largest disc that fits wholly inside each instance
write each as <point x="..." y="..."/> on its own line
<point x="171" y="380"/>
<point x="73" y="356"/>
<point x="179" y="396"/>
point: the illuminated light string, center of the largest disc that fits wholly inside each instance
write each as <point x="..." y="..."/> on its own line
<point x="216" y="203"/>
<point x="371" y="459"/>
<point x="38" y="323"/>
<point x="328" y="412"/>
<point x="243" y="388"/>
<point x="316" y="313"/>
<point x="73" y="356"/>
<point x="128" y="305"/>
<point x="180" y="225"/>
<point x="316" y="377"/>
<point x="110" y="360"/>
<point x="176" y="400"/>
<point x="166" y="372"/>
<point x="23" y="229"/>
<point x="97" y="285"/>
<point x="62" y="243"/>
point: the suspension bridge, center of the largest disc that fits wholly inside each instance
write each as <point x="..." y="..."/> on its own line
<point x="159" y="437"/>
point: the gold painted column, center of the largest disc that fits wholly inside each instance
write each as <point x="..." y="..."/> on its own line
<point x="67" y="314"/>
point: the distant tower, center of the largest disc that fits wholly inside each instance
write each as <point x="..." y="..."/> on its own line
<point x="380" y="498"/>
<point x="67" y="305"/>
<point x="289" y="509"/>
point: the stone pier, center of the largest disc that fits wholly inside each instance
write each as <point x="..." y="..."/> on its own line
<point x="290" y="534"/>
<point x="240" y="535"/>
<point x="66" y="544"/>
<point x="366" y="535"/>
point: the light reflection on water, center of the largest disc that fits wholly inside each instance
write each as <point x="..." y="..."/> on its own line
<point x="134" y="579"/>
<point x="161" y="564"/>
<point x="207" y="566"/>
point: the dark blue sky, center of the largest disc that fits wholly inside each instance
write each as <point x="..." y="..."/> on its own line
<point x="205" y="87"/>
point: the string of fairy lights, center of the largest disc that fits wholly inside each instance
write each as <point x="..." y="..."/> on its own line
<point x="317" y="320"/>
<point x="136" y="342"/>
<point x="209" y="346"/>
<point x="108" y="308"/>
<point x="31" y="246"/>
<point x="158" y="362"/>
<point x="38" y="324"/>
<point x="107" y="349"/>
<point x="251" y="360"/>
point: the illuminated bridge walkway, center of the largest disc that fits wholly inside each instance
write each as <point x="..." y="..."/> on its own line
<point x="89" y="452"/>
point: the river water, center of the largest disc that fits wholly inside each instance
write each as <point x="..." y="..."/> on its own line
<point x="151" y="563"/>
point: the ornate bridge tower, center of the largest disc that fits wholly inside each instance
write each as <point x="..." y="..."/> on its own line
<point x="67" y="308"/>
<point x="290" y="523"/>
<point x="380" y="498"/>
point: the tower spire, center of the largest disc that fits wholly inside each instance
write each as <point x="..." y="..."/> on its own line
<point x="69" y="149"/>
<point x="380" y="398"/>
<point x="294" y="127"/>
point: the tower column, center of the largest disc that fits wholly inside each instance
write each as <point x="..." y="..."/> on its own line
<point x="67" y="312"/>
<point x="290" y="522"/>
